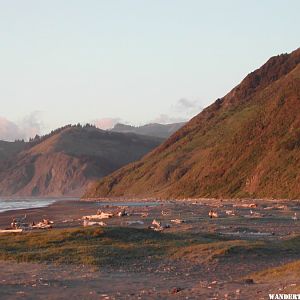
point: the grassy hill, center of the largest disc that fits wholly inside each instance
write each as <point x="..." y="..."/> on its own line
<point x="246" y="144"/>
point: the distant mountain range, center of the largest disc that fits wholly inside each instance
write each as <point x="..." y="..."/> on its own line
<point x="66" y="161"/>
<point x="246" y="144"/>
<point x="153" y="129"/>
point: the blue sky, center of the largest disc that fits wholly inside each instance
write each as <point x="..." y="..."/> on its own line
<point x="69" y="61"/>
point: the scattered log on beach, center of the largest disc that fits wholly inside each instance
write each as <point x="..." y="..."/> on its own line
<point x="251" y="205"/>
<point x="213" y="214"/>
<point x="157" y="226"/>
<point x="156" y="223"/>
<point x="101" y="215"/>
<point x="177" y="221"/>
<point x="11" y="230"/>
<point x="122" y="213"/>
<point x="230" y="212"/>
<point x="44" y="224"/>
<point x="105" y="215"/>
<point x="135" y="222"/>
<point x="87" y="223"/>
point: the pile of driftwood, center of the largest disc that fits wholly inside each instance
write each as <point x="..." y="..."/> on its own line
<point x="98" y="216"/>
<point x="21" y="224"/>
<point x="44" y="224"/>
<point x="93" y="220"/>
<point x="177" y="221"/>
<point x="157" y="226"/>
<point x="87" y="223"/>
<point x="213" y="214"/>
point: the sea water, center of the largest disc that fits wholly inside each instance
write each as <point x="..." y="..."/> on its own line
<point x="24" y="203"/>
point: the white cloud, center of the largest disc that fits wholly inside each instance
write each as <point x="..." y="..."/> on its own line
<point x="31" y="124"/>
<point x="187" y="107"/>
<point x="9" y="131"/>
<point x="26" y="128"/>
<point x="106" y="123"/>
<point x="183" y="110"/>
<point x="165" y="119"/>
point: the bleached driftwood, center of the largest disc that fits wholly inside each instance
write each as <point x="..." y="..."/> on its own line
<point x="44" y="224"/>
<point x="87" y="223"/>
<point x="135" y="222"/>
<point x="213" y="214"/>
<point x="123" y="213"/>
<point x="177" y="221"/>
<point x="11" y="230"/>
<point x="156" y="223"/>
<point x="157" y="226"/>
<point x="230" y="212"/>
<point x="99" y="216"/>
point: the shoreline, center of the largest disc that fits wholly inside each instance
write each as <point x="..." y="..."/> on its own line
<point x="61" y="209"/>
<point x="67" y="213"/>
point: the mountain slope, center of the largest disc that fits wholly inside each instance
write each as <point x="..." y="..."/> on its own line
<point x="246" y="144"/>
<point x="65" y="162"/>
<point x="153" y="129"/>
<point x="10" y="149"/>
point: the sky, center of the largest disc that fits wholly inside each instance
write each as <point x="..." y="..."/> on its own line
<point x="131" y="61"/>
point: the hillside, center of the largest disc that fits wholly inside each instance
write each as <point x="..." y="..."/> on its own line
<point x="246" y="144"/>
<point x="66" y="161"/>
<point x="154" y="129"/>
<point x="10" y="149"/>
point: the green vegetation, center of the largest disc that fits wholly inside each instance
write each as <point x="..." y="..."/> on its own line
<point x="285" y="272"/>
<point x="93" y="246"/>
<point x="128" y="246"/>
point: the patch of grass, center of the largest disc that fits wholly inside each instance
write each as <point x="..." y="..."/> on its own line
<point x="287" y="271"/>
<point x="205" y="252"/>
<point x="92" y="246"/>
<point x="119" y="246"/>
<point x="201" y="253"/>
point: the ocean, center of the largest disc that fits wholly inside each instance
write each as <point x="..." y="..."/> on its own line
<point x="23" y="202"/>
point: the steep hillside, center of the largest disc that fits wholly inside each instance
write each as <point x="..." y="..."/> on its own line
<point x="66" y="161"/>
<point x="10" y="149"/>
<point x="246" y="144"/>
<point x="153" y="129"/>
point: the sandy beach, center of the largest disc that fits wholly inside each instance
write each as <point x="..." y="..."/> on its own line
<point x="188" y="275"/>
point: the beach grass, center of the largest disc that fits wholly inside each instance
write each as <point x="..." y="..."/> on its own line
<point x="120" y="246"/>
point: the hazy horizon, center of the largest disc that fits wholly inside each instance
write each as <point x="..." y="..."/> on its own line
<point x="127" y="61"/>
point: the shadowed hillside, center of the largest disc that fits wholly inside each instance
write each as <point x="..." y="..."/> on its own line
<point x="246" y="144"/>
<point x="10" y="149"/>
<point x="154" y="129"/>
<point x="68" y="159"/>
